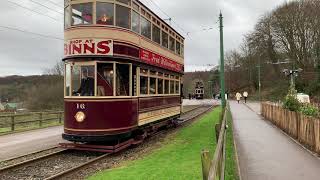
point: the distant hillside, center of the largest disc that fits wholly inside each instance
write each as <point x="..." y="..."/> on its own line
<point x="36" y="92"/>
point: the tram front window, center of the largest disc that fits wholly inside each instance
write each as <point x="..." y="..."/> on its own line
<point x="105" y="79"/>
<point x="82" y="80"/>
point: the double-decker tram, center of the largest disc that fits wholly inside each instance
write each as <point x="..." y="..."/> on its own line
<point x="123" y="68"/>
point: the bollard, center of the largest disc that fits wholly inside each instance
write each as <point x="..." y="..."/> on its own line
<point x="205" y="159"/>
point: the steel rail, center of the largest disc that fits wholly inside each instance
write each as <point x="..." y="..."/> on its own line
<point x="23" y="163"/>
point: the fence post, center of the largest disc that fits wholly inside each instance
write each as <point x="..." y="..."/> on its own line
<point x="12" y="123"/>
<point x="40" y="119"/>
<point x="217" y="128"/>
<point x="60" y="117"/>
<point x="205" y="159"/>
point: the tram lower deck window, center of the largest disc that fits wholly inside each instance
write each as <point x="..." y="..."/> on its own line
<point x="166" y="87"/>
<point x="123" y="80"/>
<point x="143" y="85"/>
<point x="153" y="82"/>
<point x="171" y="87"/>
<point x="160" y="86"/>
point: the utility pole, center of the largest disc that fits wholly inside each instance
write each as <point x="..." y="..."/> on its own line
<point x="259" y="76"/>
<point x="223" y="99"/>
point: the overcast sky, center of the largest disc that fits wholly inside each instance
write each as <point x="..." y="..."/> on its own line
<point x="29" y="54"/>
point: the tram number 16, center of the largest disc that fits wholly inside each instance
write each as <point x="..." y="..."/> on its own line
<point x="81" y="106"/>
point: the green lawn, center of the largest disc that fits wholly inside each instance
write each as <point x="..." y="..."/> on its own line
<point x="177" y="159"/>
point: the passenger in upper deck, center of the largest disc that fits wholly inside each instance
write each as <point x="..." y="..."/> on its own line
<point x="87" y="84"/>
<point x="104" y="19"/>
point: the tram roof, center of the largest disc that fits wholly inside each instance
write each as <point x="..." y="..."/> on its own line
<point x="159" y="18"/>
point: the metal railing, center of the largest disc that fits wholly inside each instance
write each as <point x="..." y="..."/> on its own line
<point x="214" y="169"/>
<point x="10" y="122"/>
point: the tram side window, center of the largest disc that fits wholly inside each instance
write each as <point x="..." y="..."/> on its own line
<point x="178" y="50"/>
<point x="171" y="87"/>
<point x="135" y="22"/>
<point x="81" y="13"/>
<point x="105" y="76"/>
<point x="171" y="44"/>
<point x="105" y="13"/>
<point x="182" y="50"/>
<point x="127" y="2"/>
<point x="143" y="85"/>
<point x="177" y="87"/>
<point x="83" y="80"/>
<point x="123" y="16"/>
<point x="155" y="33"/>
<point x="67" y="17"/>
<point x="145" y="27"/>
<point x="164" y="39"/>
<point x="153" y="82"/>
<point x="67" y="79"/>
<point x="166" y="87"/>
<point x="123" y="80"/>
<point x="160" y="86"/>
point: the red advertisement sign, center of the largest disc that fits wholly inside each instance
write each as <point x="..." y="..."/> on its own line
<point x="157" y="60"/>
<point x="76" y="47"/>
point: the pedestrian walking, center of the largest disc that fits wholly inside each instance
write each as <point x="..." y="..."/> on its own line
<point x="238" y="97"/>
<point x="245" y="95"/>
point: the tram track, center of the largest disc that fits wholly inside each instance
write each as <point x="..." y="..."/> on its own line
<point x="60" y="164"/>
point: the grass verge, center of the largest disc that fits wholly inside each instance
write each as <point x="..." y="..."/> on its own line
<point x="178" y="158"/>
<point x="231" y="163"/>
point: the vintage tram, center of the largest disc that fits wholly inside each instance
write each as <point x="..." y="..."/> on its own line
<point x="199" y="90"/>
<point x="123" y="68"/>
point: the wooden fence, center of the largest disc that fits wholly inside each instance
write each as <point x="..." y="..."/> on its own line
<point x="302" y="128"/>
<point x="11" y="121"/>
<point x="215" y="168"/>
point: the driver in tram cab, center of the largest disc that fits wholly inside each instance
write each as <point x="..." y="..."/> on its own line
<point x="105" y="82"/>
<point x="87" y="84"/>
<point x="104" y="19"/>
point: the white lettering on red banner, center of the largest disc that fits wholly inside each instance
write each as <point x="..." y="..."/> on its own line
<point x="155" y="59"/>
<point x="80" y="47"/>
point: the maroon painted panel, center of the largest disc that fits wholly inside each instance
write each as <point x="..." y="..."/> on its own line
<point x="109" y="116"/>
<point x="158" y="102"/>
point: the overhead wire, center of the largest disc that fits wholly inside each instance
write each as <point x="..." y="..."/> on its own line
<point x="170" y="18"/>
<point x="56" y="4"/>
<point x="42" y="5"/>
<point x="26" y="8"/>
<point x="30" y="32"/>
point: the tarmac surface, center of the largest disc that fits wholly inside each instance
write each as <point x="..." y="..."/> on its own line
<point x="265" y="153"/>
<point x="17" y="144"/>
<point x="22" y="143"/>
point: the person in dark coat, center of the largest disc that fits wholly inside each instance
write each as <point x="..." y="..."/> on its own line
<point x="87" y="85"/>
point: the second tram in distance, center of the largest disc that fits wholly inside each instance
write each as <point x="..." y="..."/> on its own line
<point x="123" y="68"/>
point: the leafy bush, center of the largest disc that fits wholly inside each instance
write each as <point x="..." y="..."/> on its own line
<point x="291" y="103"/>
<point x="309" y="110"/>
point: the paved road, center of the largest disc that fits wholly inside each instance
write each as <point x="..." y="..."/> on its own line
<point x="267" y="154"/>
<point x="13" y="145"/>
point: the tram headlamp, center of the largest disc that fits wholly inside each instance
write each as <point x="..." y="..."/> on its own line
<point x="80" y="116"/>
